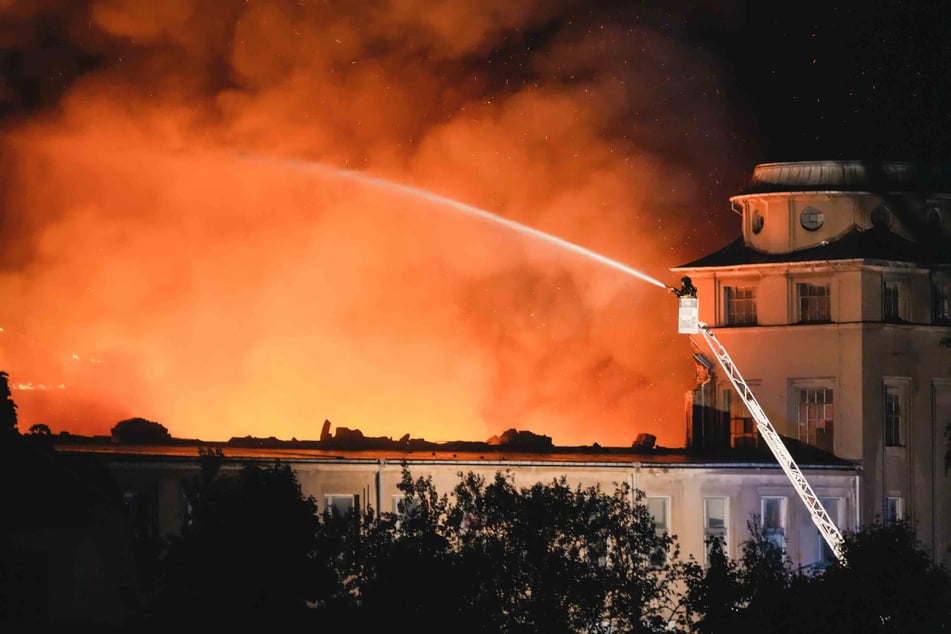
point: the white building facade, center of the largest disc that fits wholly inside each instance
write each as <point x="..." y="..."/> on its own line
<point x="834" y="304"/>
<point x="689" y="497"/>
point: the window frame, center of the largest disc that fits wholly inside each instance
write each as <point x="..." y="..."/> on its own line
<point x="941" y="301"/>
<point x="894" y="300"/>
<point x="825" y="556"/>
<point x="773" y="532"/>
<point x="897" y="503"/>
<point x="895" y="423"/>
<point x="821" y="311"/>
<point x="330" y="503"/>
<point x="739" y="415"/>
<point x="740" y="304"/>
<point x="828" y="418"/>
<point x="659" y="557"/>
<point x="722" y="532"/>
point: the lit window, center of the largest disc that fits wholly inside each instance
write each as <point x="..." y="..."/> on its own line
<point x="815" y="302"/>
<point x="340" y="504"/>
<point x="893" y="510"/>
<point x="892" y="301"/>
<point x="659" y="508"/>
<point x="816" y="417"/>
<point x="831" y="505"/>
<point x="743" y="431"/>
<point x="773" y="519"/>
<point x="715" y="525"/>
<point x="740" y="305"/>
<point x="895" y="404"/>
<point x="941" y="302"/>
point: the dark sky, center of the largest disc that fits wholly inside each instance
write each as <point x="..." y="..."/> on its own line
<point x="140" y="252"/>
<point x="811" y="80"/>
<point x="828" y="80"/>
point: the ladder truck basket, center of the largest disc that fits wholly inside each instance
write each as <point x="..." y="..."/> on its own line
<point x="688" y="322"/>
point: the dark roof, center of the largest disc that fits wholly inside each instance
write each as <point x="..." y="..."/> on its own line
<point x="872" y="244"/>
<point x="805" y="456"/>
<point x="849" y="176"/>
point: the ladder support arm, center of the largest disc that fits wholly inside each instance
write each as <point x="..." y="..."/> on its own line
<point x="820" y="517"/>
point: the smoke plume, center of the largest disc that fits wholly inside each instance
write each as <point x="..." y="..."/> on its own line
<point x="174" y="242"/>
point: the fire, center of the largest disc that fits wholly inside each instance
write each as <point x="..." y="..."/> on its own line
<point x="152" y="270"/>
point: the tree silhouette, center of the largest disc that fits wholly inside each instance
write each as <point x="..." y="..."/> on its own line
<point x="245" y="553"/>
<point x="492" y="557"/>
<point x="8" y="409"/>
<point x="888" y="583"/>
<point x="140" y="431"/>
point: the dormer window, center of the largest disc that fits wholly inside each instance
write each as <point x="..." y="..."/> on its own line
<point x="811" y="219"/>
<point x="881" y="217"/>
<point x="757" y="221"/>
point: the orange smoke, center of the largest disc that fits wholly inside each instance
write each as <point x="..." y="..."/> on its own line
<point x="168" y="254"/>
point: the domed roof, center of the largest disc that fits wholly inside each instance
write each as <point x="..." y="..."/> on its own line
<point x="849" y="176"/>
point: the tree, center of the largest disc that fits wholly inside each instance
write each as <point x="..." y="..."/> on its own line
<point x="888" y="583"/>
<point x="8" y="408"/>
<point x="245" y="553"/>
<point x="40" y="429"/>
<point x="715" y="593"/>
<point x="139" y="431"/>
<point x="492" y="557"/>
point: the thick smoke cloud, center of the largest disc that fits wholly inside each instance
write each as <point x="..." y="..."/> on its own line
<point x="174" y="246"/>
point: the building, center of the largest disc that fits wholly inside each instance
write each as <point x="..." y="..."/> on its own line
<point x="691" y="495"/>
<point x="834" y="303"/>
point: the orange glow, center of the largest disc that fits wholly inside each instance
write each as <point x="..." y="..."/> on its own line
<point x="152" y="269"/>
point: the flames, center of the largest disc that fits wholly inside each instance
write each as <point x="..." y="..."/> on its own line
<point x="226" y="296"/>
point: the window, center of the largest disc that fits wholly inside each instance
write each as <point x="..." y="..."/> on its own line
<point x="941" y="302"/>
<point x="740" y="305"/>
<point x="715" y="525"/>
<point x="757" y="221"/>
<point x="340" y="504"/>
<point x="881" y="217"/>
<point x="142" y="513"/>
<point x="773" y="520"/>
<point x="816" y="415"/>
<point x="815" y="302"/>
<point x="893" y="509"/>
<point x="895" y="404"/>
<point x="743" y="431"/>
<point x="659" y="507"/>
<point x="892" y="294"/>
<point x="811" y="219"/>
<point x="831" y="505"/>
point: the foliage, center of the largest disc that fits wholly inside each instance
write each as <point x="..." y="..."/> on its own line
<point x="497" y="558"/>
<point x="715" y="593"/>
<point x="245" y="550"/>
<point x="888" y="583"/>
<point x="139" y="431"/>
<point x="8" y="408"/>
<point x="493" y="557"/>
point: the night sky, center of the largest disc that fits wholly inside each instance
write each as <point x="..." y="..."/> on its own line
<point x="150" y="268"/>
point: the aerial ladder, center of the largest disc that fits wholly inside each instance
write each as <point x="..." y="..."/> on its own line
<point x="688" y="323"/>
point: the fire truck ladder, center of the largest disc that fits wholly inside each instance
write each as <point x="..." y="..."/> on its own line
<point x="820" y="517"/>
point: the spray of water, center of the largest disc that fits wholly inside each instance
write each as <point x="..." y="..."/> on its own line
<point x="482" y="214"/>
